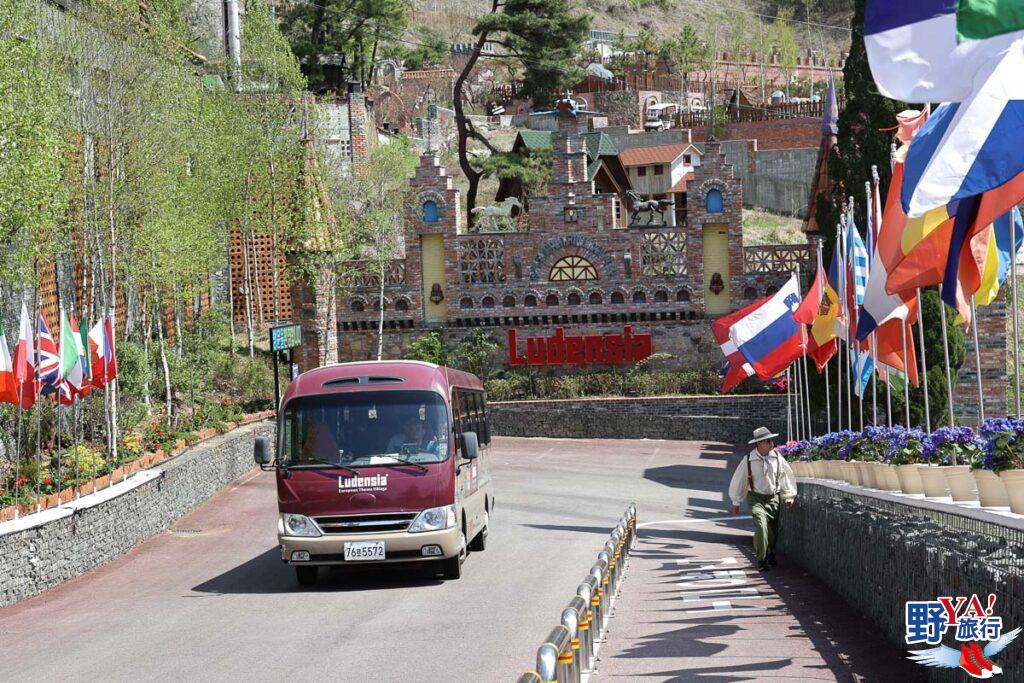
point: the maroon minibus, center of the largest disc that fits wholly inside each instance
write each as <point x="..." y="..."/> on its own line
<point x="381" y="462"/>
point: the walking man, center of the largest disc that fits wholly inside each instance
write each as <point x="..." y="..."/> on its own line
<point x="764" y="478"/>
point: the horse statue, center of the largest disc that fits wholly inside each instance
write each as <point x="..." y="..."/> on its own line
<point x="495" y="217"/>
<point x="639" y="205"/>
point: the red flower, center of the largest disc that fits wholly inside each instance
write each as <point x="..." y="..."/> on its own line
<point x="22" y="481"/>
<point x="67" y="476"/>
<point x="47" y="481"/>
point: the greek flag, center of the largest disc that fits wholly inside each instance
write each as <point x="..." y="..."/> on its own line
<point x="858" y="260"/>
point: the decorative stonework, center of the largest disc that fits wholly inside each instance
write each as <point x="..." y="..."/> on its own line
<point x="663" y="254"/>
<point x="482" y="260"/>
<point x="578" y="244"/>
<point x="572" y="269"/>
<point x="394" y="275"/>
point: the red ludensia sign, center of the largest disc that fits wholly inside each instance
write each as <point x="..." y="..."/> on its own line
<point x="559" y="349"/>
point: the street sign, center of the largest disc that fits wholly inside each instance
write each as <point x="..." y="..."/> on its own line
<point x="285" y="337"/>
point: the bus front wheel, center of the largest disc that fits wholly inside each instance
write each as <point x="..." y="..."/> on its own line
<point x="306" y="575"/>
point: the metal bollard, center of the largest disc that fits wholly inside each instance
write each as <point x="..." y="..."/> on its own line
<point x="550" y="664"/>
<point x="632" y="515"/>
<point x="603" y="591"/>
<point x="572" y="619"/>
<point x="597" y="620"/>
<point x="586" y="594"/>
<point x="529" y="677"/>
<point x="611" y="547"/>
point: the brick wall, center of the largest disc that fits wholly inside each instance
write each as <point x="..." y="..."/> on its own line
<point x="704" y="418"/>
<point x="44" y="556"/>
<point x="783" y="134"/>
<point x="992" y="340"/>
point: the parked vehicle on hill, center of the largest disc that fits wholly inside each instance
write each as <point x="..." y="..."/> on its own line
<point x="381" y="462"/>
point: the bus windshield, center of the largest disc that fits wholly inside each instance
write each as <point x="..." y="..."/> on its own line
<point x="366" y="428"/>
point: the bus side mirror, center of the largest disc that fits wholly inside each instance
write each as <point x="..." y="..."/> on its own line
<point x="470" y="446"/>
<point x="261" y="451"/>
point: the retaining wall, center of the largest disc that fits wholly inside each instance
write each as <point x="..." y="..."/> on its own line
<point x="700" y="418"/>
<point x="41" y="557"/>
<point x="877" y="556"/>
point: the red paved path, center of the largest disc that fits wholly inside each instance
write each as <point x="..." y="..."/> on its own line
<point x="784" y="626"/>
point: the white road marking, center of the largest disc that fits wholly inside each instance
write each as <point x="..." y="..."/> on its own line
<point x="547" y="452"/>
<point x="697" y="560"/>
<point x="690" y="521"/>
<point x="712" y="583"/>
<point x="729" y="607"/>
<point x="718" y="593"/>
<point x="653" y="455"/>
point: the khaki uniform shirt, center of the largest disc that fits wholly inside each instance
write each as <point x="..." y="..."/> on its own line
<point x="772" y="474"/>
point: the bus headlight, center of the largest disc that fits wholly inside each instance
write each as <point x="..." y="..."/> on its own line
<point x="433" y="519"/>
<point x="298" y="525"/>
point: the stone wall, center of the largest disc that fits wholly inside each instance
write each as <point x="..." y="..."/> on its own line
<point x="877" y="555"/>
<point x="779" y="134"/>
<point x="44" y="556"/>
<point x="703" y="418"/>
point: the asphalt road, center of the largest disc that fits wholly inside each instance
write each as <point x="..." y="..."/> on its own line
<point x="210" y="600"/>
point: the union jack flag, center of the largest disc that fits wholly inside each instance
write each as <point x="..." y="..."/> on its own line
<point x="49" y="360"/>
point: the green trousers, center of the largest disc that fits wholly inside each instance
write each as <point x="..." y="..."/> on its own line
<point x="764" y="509"/>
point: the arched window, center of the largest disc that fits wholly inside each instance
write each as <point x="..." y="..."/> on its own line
<point x="574" y="299"/>
<point x="749" y="293"/>
<point x="430" y="212"/>
<point x="487" y="302"/>
<point x="683" y="295"/>
<point x="595" y="298"/>
<point x="509" y="301"/>
<point x="617" y="298"/>
<point x="639" y="297"/>
<point x="572" y="268"/>
<point x="770" y="289"/>
<point x="358" y="305"/>
<point x="713" y="202"/>
<point x="376" y="305"/>
<point x="465" y="302"/>
<point x="530" y="301"/>
<point x="402" y="305"/>
<point x="552" y="300"/>
<point x="661" y="296"/>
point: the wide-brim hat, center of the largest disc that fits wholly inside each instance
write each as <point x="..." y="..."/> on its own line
<point x="762" y="434"/>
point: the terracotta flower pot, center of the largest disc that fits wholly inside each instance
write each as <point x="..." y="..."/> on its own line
<point x="910" y="479"/>
<point x="991" y="489"/>
<point x="85" y="489"/>
<point x="206" y="433"/>
<point x="1013" y="480"/>
<point x="7" y="513"/>
<point x="117" y="475"/>
<point x="961" y="483"/>
<point x="102" y="481"/>
<point x="933" y="478"/>
<point x="67" y="495"/>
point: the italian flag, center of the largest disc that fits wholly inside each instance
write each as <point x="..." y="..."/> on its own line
<point x="70" y="361"/>
<point x="8" y="387"/>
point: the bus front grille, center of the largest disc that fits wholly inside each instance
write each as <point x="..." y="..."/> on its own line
<point x="365" y="524"/>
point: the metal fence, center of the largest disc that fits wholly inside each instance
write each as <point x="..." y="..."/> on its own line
<point x="570" y="650"/>
<point x="958" y="524"/>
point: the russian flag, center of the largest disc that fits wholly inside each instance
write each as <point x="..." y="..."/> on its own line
<point x="770" y="338"/>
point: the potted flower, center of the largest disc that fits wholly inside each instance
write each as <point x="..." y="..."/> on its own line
<point x="793" y="452"/>
<point x="1005" y="458"/>
<point x="961" y="445"/>
<point x="905" y="453"/>
<point x="871" y="446"/>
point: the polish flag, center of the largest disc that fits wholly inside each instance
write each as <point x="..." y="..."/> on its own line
<point x="25" y="361"/>
<point x="8" y="387"/>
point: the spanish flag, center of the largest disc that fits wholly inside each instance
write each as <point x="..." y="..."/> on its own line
<point x="829" y="319"/>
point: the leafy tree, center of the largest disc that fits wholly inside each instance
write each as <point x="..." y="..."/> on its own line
<point x="784" y="38"/>
<point x="520" y="174"/>
<point x="476" y="354"/>
<point x="430" y="348"/>
<point x="430" y="51"/>
<point x="688" y="53"/>
<point x="545" y="36"/>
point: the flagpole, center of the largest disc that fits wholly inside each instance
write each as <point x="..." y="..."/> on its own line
<point x="39" y="412"/>
<point x="789" y="410"/>
<point x="945" y="352"/>
<point x="888" y="401"/>
<point x="798" y="409"/>
<point x="873" y="235"/>
<point x="924" y="363"/>
<point x="849" y="345"/>
<point x="828" y="399"/>
<point x="874" y="380"/>
<point x="17" y="452"/>
<point x="1016" y="336"/>
<point x="842" y="312"/>
<point x="977" y="361"/>
<point x="906" y="376"/>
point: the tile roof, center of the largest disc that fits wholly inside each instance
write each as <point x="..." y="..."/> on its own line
<point x="644" y="156"/>
<point x="535" y="139"/>
<point x="681" y="185"/>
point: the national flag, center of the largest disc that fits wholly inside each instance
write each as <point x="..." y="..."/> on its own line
<point x="98" y="355"/>
<point x="111" y="350"/>
<point x="861" y="366"/>
<point x="49" y="360"/>
<point x="25" y="361"/>
<point x="769" y="337"/>
<point x="827" y="323"/>
<point x="931" y="50"/>
<point x="857" y="257"/>
<point x="807" y="313"/>
<point x="969" y="147"/>
<point x="830" y="114"/>
<point x="1000" y="256"/>
<point x="81" y="341"/>
<point x="889" y="348"/>
<point x="8" y="386"/>
<point x="736" y="368"/>
<point x="70" y="361"/>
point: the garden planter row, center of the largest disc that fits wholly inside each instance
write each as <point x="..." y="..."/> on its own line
<point x="957" y="482"/>
<point x="144" y="461"/>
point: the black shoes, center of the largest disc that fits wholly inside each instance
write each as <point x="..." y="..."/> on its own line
<point x="762" y="565"/>
<point x="770" y="560"/>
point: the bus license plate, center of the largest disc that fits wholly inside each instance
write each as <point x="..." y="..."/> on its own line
<point x="358" y="551"/>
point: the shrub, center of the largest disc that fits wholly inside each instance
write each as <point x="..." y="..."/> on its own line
<point x="430" y="348"/>
<point x="90" y="461"/>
